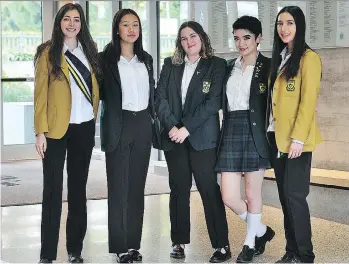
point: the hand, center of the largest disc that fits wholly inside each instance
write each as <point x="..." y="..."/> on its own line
<point x="181" y="135"/>
<point x="172" y="132"/>
<point x="41" y="144"/>
<point x="295" y="150"/>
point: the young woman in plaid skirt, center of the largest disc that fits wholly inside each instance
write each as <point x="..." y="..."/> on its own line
<point x="243" y="146"/>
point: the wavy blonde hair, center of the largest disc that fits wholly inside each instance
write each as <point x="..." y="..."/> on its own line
<point x="206" y="50"/>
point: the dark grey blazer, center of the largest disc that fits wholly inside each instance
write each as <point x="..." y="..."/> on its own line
<point x="257" y="101"/>
<point x="203" y="100"/>
<point x="111" y="97"/>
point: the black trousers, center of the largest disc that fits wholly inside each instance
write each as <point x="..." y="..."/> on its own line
<point x="127" y="168"/>
<point x="78" y="143"/>
<point x="293" y="181"/>
<point x="182" y="162"/>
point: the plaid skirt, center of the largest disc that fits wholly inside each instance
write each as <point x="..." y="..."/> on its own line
<point x="238" y="152"/>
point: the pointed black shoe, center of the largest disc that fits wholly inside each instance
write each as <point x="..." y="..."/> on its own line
<point x="43" y="260"/>
<point x="286" y="258"/>
<point x="75" y="258"/>
<point x="246" y="255"/>
<point x="218" y="256"/>
<point x="177" y="251"/>
<point x="136" y="256"/>
<point x="125" y="258"/>
<point x="261" y="241"/>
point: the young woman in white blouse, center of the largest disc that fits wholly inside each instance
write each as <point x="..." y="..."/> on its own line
<point x="127" y="94"/>
<point x="243" y="146"/>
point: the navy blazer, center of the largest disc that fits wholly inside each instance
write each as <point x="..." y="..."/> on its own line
<point x="203" y="100"/>
<point x="111" y="97"/>
<point x="257" y="102"/>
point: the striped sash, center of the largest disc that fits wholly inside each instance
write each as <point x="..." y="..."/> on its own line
<point x="81" y="75"/>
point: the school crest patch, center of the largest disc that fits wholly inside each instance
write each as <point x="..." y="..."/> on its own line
<point x="262" y="88"/>
<point x="206" y="86"/>
<point x="290" y="86"/>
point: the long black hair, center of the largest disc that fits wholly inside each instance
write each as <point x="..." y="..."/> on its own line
<point x="55" y="44"/>
<point x="299" y="45"/>
<point x="115" y="42"/>
<point x="206" y="50"/>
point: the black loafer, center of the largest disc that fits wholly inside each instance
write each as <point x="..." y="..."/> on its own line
<point x="45" y="260"/>
<point x="261" y="241"/>
<point x="218" y="256"/>
<point x="177" y="251"/>
<point x="136" y="256"/>
<point x="246" y="255"/>
<point x="75" y="258"/>
<point x="125" y="258"/>
<point x="286" y="258"/>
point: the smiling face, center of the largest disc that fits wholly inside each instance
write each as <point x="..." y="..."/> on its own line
<point x="190" y="42"/>
<point x="129" y="29"/>
<point x="71" y="24"/>
<point x="286" y="28"/>
<point x="246" y="42"/>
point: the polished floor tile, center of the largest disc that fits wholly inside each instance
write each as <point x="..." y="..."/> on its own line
<point x="21" y="234"/>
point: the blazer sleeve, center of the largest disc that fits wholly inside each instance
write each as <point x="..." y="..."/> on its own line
<point x="101" y="79"/>
<point x="213" y="101"/>
<point x="41" y="81"/>
<point x="162" y="107"/>
<point x="311" y="77"/>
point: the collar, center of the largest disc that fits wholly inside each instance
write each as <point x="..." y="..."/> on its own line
<point x="134" y="60"/>
<point x="188" y="63"/>
<point x="65" y="47"/>
<point x="239" y="61"/>
<point x="283" y="54"/>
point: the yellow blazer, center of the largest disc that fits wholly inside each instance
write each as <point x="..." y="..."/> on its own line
<point x="294" y="102"/>
<point x="52" y="98"/>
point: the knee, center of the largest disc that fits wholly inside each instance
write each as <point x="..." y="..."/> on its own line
<point x="252" y="196"/>
<point x="231" y="201"/>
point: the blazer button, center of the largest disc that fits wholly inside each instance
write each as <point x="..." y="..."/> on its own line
<point x="254" y="124"/>
<point x="252" y="110"/>
<point x="274" y="104"/>
<point x="274" y="119"/>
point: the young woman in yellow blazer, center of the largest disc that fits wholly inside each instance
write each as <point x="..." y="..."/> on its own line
<point x="66" y="97"/>
<point x="292" y="129"/>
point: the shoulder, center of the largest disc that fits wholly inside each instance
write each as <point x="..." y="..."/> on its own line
<point x="310" y="57"/>
<point x="231" y="62"/>
<point x="147" y="56"/>
<point x="220" y="62"/>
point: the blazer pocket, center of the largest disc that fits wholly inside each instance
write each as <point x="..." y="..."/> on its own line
<point x="291" y="88"/>
<point x="51" y="116"/>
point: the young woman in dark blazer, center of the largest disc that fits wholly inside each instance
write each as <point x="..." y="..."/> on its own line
<point x="292" y="130"/>
<point x="243" y="146"/>
<point x="188" y="97"/>
<point x="66" y="99"/>
<point x="127" y="94"/>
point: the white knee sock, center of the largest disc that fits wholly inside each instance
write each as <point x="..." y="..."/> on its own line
<point x="253" y="224"/>
<point x="262" y="229"/>
<point x="243" y="217"/>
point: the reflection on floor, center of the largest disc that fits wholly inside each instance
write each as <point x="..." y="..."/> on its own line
<point x="21" y="234"/>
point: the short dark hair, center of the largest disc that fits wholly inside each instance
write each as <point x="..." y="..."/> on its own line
<point x="249" y="23"/>
<point x="206" y="50"/>
<point x="299" y="45"/>
<point x="138" y="45"/>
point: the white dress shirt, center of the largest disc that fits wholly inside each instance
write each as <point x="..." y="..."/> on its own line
<point x="238" y="86"/>
<point x="81" y="109"/>
<point x="284" y="59"/>
<point x="188" y="73"/>
<point x="134" y="84"/>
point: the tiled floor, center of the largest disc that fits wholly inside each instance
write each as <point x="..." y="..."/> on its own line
<point x="21" y="234"/>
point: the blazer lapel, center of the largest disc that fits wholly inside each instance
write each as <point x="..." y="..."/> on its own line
<point x="115" y="71"/>
<point x="178" y="75"/>
<point x="197" y="76"/>
<point x="64" y="67"/>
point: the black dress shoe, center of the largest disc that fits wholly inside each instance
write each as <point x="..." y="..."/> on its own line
<point x="125" y="258"/>
<point x="75" y="258"/>
<point x="286" y="258"/>
<point x="44" y="260"/>
<point x="246" y="255"/>
<point x="136" y="256"/>
<point x="221" y="255"/>
<point x="295" y="260"/>
<point x="261" y="241"/>
<point x="177" y="251"/>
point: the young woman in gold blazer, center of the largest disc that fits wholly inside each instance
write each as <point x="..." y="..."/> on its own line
<point x="66" y="97"/>
<point x="292" y="129"/>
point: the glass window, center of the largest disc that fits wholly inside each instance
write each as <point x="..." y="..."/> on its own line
<point x="141" y="9"/>
<point x="100" y="22"/>
<point x="172" y="15"/>
<point x="21" y="33"/>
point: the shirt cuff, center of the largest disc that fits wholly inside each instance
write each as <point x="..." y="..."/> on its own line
<point x="297" y="141"/>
